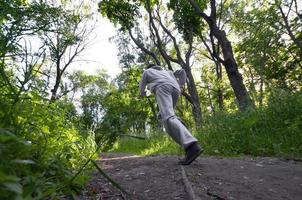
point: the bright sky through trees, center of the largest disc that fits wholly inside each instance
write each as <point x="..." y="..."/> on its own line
<point x="101" y="53"/>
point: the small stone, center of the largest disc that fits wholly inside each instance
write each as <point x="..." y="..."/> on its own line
<point x="272" y="190"/>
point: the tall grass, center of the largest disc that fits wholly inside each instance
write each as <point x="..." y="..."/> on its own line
<point x="158" y="143"/>
<point x="273" y="130"/>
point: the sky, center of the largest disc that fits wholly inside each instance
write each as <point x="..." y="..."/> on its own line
<point x="101" y="53"/>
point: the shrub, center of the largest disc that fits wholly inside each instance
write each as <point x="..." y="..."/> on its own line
<point x="41" y="149"/>
<point x="274" y="130"/>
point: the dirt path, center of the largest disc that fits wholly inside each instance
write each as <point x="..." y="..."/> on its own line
<point x="160" y="177"/>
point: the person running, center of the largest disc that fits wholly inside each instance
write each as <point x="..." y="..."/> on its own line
<point x="167" y="90"/>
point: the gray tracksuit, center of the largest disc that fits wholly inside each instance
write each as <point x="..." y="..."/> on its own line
<point x="167" y="90"/>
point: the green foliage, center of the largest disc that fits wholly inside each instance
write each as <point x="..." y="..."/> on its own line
<point x="157" y="143"/>
<point x="41" y="149"/>
<point x="274" y="130"/>
<point x="123" y="112"/>
<point x="265" y="45"/>
<point x="185" y="17"/>
<point x="42" y="145"/>
<point x="120" y="12"/>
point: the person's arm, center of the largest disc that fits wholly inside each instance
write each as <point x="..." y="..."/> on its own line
<point x="181" y="77"/>
<point x="142" y="85"/>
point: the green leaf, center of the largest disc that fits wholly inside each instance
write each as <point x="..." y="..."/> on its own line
<point x="8" y="178"/>
<point x="14" y="187"/>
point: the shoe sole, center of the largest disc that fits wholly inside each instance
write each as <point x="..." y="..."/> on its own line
<point x="193" y="158"/>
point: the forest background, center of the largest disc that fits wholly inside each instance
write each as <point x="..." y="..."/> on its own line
<point x="243" y="94"/>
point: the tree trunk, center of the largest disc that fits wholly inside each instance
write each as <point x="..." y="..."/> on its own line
<point x="194" y="98"/>
<point x="210" y="99"/>
<point x="229" y="61"/>
<point x="231" y="67"/>
<point x="57" y="84"/>
<point x="219" y="80"/>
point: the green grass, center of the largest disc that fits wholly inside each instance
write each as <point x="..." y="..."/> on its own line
<point x="274" y="130"/>
<point x="159" y="144"/>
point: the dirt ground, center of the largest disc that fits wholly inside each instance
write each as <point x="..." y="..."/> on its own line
<point x="160" y="177"/>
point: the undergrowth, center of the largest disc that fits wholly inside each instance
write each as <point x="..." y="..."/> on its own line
<point x="41" y="150"/>
<point x="158" y="143"/>
<point x="273" y="130"/>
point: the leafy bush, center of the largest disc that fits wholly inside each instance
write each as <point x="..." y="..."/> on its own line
<point x="41" y="149"/>
<point x="274" y="130"/>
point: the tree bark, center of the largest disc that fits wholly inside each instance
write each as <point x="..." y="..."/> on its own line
<point x="219" y="90"/>
<point x="194" y="98"/>
<point x="231" y="67"/>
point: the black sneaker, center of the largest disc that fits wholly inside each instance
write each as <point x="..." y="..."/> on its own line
<point x="192" y="152"/>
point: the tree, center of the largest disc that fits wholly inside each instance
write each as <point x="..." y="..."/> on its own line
<point x="163" y="39"/>
<point x="228" y="60"/>
<point x="66" y="39"/>
<point x="19" y="22"/>
<point x="265" y="50"/>
<point x="40" y="142"/>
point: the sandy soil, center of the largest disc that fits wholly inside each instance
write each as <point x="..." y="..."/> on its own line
<point x="159" y="177"/>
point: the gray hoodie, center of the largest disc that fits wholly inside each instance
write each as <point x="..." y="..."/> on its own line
<point x="156" y="76"/>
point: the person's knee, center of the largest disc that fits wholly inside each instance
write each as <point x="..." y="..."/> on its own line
<point x="169" y="119"/>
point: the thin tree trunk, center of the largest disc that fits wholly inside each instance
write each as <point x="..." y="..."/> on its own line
<point x="262" y="66"/>
<point x="231" y="67"/>
<point x="194" y="98"/>
<point x="219" y="80"/>
<point x="261" y="92"/>
<point x="210" y="99"/>
<point x="296" y="41"/>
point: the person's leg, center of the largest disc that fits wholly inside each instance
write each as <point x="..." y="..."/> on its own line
<point x="164" y="101"/>
<point x="166" y="97"/>
<point x="165" y="104"/>
<point x="179" y="132"/>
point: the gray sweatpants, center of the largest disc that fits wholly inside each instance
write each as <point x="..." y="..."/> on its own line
<point x="166" y="97"/>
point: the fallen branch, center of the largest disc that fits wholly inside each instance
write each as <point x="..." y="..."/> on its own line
<point x="188" y="186"/>
<point x="115" y="184"/>
<point x="134" y="136"/>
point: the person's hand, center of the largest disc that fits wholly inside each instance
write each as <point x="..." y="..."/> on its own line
<point x="148" y="93"/>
